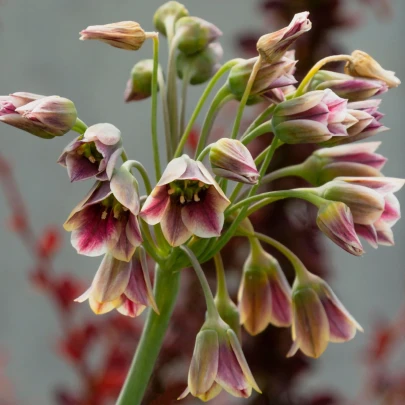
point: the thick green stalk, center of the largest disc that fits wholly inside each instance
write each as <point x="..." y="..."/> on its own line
<point x="155" y="143"/>
<point x="166" y="289"/>
<point x="183" y="109"/>
<point x="227" y="66"/>
<point x="260" y="119"/>
<point x="260" y="130"/>
<point x="80" y="127"/>
<point x="166" y="119"/>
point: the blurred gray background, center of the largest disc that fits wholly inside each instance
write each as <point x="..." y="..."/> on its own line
<point x="40" y="53"/>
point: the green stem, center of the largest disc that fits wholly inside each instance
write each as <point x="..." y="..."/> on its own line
<point x="155" y="143"/>
<point x="165" y="291"/>
<point x="204" y="152"/>
<point x="262" y="129"/>
<point x="124" y="156"/>
<point x="227" y="66"/>
<point x="294" y="170"/>
<point x="166" y="119"/>
<point x="260" y="119"/>
<point x="212" y="312"/>
<point x="183" y="108"/>
<point x="142" y="171"/>
<point x="236" y="192"/>
<point x="222" y="290"/>
<point x="305" y="81"/>
<point x="80" y="127"/>
<point x="300" y="270"/>
<point x="245" y="97"/>
<point x="220" y="99"/>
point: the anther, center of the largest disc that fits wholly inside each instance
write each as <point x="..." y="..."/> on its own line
<point x="170" y="191"/>
<point x="104" y="215"/>
<point x="182" y="199"/>
<point x="92" y="159"/>
<point x="201" y="184"/>
<point x="196" y="198"/>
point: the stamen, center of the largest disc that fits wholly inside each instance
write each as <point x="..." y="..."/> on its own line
<point x="201" y="184"/>
<point x="116" y="214"/>
<point x="196" y="198"/>
<point x="104" y="215"/>
<point x="170" y="191"/>
<point x="92" y="159"/>
<point x="125" y="209"/>
<point x="182" y="199"/>
<point x="80" y="151"/>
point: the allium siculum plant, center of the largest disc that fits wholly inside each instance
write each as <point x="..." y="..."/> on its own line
<point x="191" y="212"/>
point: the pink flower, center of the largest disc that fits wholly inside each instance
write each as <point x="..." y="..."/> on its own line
<point x="318" y="318"/>
<point x="93" y="154"/>
<point x="315" y="117"/>
<point x="372" y="203"/>
<point x="124" y="286"/>
<point x="218" y="362"/>
<point x="186" y="201"/>
<point x="106" y="220"/>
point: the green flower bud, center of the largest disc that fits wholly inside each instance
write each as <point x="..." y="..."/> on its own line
<point x="139" y="85"/>
<point x="194" y="34"/>
<point x="200" y="66"/>
<point x="168" y="13"/>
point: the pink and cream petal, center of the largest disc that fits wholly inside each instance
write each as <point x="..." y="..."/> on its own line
<point x="111" y="279"/>
<point x="173" y="171"/>
<point x="392" y="210"/>
<point x="281" y="306"/>
<point x="80" y="168"/>
<point x="130" y="308"/>
<point x="173" y="228"/>
<point x="125" y="189"/>
<point x="156" y="205"/>
<point x="133" y="232"/>
<point x="205" y="218"/>
<point x="100" y="308"/>
<point x="369" y="233"/>
<point x="120" y="246"/>
<point x="106" y="133"/>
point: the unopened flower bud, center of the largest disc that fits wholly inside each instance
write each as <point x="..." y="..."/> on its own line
<point x="346" y="86"/>
<point x="232" y="160"/>
<point x="264" y="294"/>
<point x="139" y="85"/>
<point x="218" y="362"/>
<point x="318" y="318"/>
<point x="272" y="46"/>
<point x="167" y="14"/>
<point x="336" y="221"/>
<point x="364" y="65"/>
<point x="201" y="66"/>
<point x="194" y="34"/>
<point x="127" y="35"/>
<point x="277" y="75"/>
<point x="315" y="117"/>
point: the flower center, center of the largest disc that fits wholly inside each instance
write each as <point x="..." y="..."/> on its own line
<point x="111" y="204"/>
<point x="186" y="191"/>
<point x="89" y="151"/>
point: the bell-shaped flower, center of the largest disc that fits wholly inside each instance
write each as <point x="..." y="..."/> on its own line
<point x="93" y="154"/>
<point x="45" y="117"/>
<point x="186" y="201"/>
<point x="193" y="34"/>
<point x="372" y="203"/>
<point x="362" y="64"/>
<point x="232" y="160"/>
<point x="336" y="221"/>
<point x="218" y="363"/>
<point x="106" y="220"/>
<point x="127" y="35"/>
<point x="124" y="286"/>
<point x="139" y="85"/>
<point x="354" y="160"/>
<point x="318" y="318"/>
<point x="312" y="118"/>
<point x="345" y="86"/>
<point x="272" y="46"/>
<point x="264" y="295"/>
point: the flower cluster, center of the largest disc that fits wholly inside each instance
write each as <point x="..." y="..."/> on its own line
<point x="189" y="216"/>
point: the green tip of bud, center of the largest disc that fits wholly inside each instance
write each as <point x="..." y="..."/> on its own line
<point x="168" y="13"/>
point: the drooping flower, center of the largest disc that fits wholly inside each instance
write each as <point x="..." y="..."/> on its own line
<point x="139" y="85"/>
<point x="93" y="154"/>
<point x="127" y="35"/>
<point x="106" y="220"/>
<point x="218" y="363"/>
<point x="364" y="65"/>
<point x="318" y="318"/>
<point x="270" y="76"/>
<point x="346" y="86"/>
<point x="45" y="117"/>
<point x="167" y="15"/>
<point x="272" y="46"/>
<point x="186" y="201"/>
<point x="120" y="285"/>
<point x="264" y="295"/>
<point x="312" y="118"/>
<point x="354" y="160"/>
<point x="372" y="203"/>
<point x="232" y="160"/>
